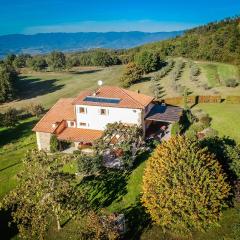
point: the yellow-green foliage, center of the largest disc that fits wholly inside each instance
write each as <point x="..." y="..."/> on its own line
<point x="184" y="187"/>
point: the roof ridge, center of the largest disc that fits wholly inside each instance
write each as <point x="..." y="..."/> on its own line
<point x="123" y="90"/>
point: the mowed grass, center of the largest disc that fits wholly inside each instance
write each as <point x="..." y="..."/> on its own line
<point x="218" y="73"/>
<point x="47" y="87"/>
<point x="14" y="143"/>
<point x="225" y="118"/>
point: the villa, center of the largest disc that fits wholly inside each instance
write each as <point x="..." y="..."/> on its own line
<point x="82" y="120"/>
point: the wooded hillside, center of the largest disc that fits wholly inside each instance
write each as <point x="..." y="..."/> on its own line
<point x="217" y="41"/>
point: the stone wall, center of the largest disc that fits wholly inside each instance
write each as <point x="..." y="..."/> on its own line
<point x="43" y="141"/>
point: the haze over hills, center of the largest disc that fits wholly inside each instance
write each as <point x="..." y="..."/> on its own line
<point x="46" y="42"/>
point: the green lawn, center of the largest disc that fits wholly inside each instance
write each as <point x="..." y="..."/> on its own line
<point x="225" y="118"/>
<point x="217" y="73"/>
<point x="14" y="143"/>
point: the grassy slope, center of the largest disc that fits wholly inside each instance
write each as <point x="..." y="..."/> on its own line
<point x="47" y="87"/>
<point x="14" y="143"/>
<point x="225" y="118"/>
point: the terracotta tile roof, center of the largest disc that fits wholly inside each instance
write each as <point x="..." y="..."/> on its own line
<point x="62" y="110"/>
<point x="128" y="99"/>
<point x="79" y="135"/>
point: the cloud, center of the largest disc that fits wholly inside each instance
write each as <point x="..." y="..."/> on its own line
<point x="107" y="26"/>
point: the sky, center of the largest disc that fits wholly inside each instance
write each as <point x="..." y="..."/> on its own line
<point x="41" y="16"/>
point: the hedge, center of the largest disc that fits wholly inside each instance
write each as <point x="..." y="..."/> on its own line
<point x="209" y="99"/>
<point x="232" y="99"/>
<point x="194" y="100"/>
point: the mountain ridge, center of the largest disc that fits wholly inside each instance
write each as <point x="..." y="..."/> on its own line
<point x="46" y="42"/>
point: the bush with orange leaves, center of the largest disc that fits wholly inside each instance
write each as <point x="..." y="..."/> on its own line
<point x="184" y="187"/>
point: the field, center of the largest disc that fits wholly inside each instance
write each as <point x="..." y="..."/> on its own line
<point x="212" y="75"/>
<point x="116" y="192"/>
<point x="225" y="118"/>
<point x="47" y="87"/>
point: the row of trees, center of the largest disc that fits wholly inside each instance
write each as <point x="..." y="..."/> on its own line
<point x="58" y="61"/>
<point x="11" y="116"/>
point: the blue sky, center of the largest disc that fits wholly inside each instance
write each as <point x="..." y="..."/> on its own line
<point x="33" y="16"/>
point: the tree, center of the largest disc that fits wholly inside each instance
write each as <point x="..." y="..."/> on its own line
<point x="10" y="59"/>
<point x="21" y="60"/>
<point x="34" y="109"/>
<point x="10" y="118"/>
<point x="123" y="140"/>
<point x="148" y="61"/>
<point x="131" y="75"/>
<point x="102" y="58"/>
<point x="57" y="61"/>
<point x="89" y="165"/>
<point x="184" y="187"/>
<point x="8" y="79"/>
<point x="54" y="144"/>
<point x="37" y="63"/>
<point x="101" y="227"/>
<point x="44" y="194"/>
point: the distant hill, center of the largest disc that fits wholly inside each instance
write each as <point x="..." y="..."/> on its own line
<point x="46" y="42"/>
<point x="217" y="41"/>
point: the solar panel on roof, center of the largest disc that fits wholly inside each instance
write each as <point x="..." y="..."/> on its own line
<point x="102" y="100"/>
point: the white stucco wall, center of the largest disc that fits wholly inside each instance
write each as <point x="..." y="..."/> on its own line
<point x="94" y="120"/>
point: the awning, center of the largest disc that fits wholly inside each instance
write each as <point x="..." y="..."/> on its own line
<point x="164" y="113"/>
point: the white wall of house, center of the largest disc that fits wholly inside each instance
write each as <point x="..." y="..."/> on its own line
<point x="93" y="119"/>
<point x="43" y="141"/>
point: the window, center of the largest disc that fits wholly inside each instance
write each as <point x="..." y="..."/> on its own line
<point x="103" y="111"/>
<point x="72" y="124"/>
<point x="134" y="111"/>
<point x="82" y="110"/>
<point x="82" y="124"/>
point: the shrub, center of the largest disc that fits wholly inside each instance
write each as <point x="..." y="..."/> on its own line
<point x="210" y="132"/>
<point x="89" y="165"/>
<point x="233" y="99"/>
<point x="174" y="188"/>
<point x="233" y="153"/>
<point x="34" y="109"/>
<point x="176" y="129"/>
<point x="54" y="144"/>
<point x="10" y="118"/>
<point x="231" y="83"/>
<point x="205" y="119"/>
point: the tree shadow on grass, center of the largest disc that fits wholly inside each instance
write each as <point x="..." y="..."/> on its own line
<point x="7" y="231"/>
<point x="34" y="87"/>
<point x="11" y="135"/>
<point x="102" y="190"/>
<point x="86" y="71"/>
<point x="137" y="221"/>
